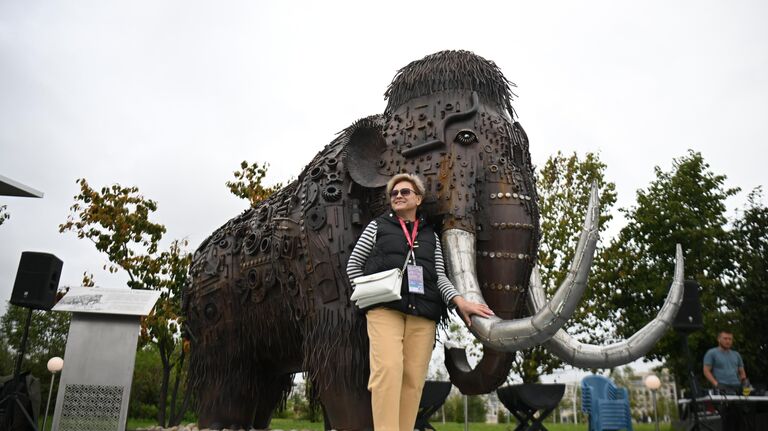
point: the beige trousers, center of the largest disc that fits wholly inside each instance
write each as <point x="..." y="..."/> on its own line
<point x="400" y="349"/>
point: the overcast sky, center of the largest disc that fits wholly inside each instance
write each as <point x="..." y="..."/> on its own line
<point x="170" y="96"/>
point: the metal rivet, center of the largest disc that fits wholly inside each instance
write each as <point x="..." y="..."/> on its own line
<point x="508" y="195"/>
<point x="521" y="256"/>
<point x="492" y="255"/>
<point x="493" y="196"/>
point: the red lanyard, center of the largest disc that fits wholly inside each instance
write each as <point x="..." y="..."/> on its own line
<point x="412" y="237"/>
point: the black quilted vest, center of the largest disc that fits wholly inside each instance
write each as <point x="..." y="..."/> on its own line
<point x="390" y="252"/>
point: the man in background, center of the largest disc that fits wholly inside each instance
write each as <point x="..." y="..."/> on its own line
<point x="723" y="367"/>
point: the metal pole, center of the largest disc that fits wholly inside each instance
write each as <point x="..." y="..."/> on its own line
<point x="48" y="404"/>
<point x="655" y="412"/>
<point x="23" y="346"/>
<point x="466" y="414"/>
<point x="442" y="410"/>
<point x="575" y="414"/>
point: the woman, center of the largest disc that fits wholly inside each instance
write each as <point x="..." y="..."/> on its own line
<point x="402" y="333"/>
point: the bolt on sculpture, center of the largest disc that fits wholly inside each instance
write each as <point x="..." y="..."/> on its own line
<point x="269" y="295"/>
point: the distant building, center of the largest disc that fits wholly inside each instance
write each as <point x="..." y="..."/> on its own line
<point x="642" y="399"/>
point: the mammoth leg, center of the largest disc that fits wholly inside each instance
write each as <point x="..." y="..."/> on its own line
<point x="347" y="409"/>
<point x="243" y="401"/>
<point x="336" y="361"/>
<point x="221" y="372"/>
<point x="272" y="390"/>
<point x="226" y="405"/>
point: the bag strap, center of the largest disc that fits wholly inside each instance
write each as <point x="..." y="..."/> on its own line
<point x="407" y="255"/>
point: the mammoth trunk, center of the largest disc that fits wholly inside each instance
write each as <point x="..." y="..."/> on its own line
<point x="517" y="333"/>
<point x="492" y="265"/>
<point x="488" y="374"/>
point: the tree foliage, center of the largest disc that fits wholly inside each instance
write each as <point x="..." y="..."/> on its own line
<point x="454" y="408"/>
<point x="748" y="294"/>
<point x="163" y="329"/>
<point x="248" y="183"/>
<point x="685" y="205"/>
<point x="6" y="358"/>
<point x="47" y="338"/>
<point x="564" y="185"/>
<point x="117" y="220"/>
<point x="623" y="377"/>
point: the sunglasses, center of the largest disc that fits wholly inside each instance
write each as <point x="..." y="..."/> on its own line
<point x="403" y="192"/>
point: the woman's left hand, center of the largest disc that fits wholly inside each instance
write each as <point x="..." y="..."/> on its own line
<point x="467" y="309"/>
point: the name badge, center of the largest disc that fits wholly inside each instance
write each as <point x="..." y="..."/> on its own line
<point x="415" y="279"/>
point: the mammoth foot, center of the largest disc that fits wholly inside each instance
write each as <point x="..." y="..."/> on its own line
<point x="236" y="406"/>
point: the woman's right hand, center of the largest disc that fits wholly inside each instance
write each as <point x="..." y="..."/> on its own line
<point x="467" y="309"/>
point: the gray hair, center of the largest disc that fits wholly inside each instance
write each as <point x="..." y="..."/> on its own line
<point x="413" y="179"/>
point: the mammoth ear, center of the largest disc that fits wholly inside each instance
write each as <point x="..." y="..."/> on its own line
<point x="364" y="150"/>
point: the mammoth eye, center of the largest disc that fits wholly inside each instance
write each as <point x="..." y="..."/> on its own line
<point x="465" y="137"/>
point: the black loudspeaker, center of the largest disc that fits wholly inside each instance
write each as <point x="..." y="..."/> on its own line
<point x="688" y="318"/>
<point x="37" y="281"/>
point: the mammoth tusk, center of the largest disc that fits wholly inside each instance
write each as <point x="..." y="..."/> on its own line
<point x="581" y="355"/>
<point x="517" y="334"/>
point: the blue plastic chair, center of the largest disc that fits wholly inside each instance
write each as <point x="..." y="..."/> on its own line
<point x="606" y="404"/>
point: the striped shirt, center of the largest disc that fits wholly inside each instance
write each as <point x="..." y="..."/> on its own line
<point x="364" y="247"/>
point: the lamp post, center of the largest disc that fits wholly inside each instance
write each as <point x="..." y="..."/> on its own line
<point x="55" y="364"/>
<point x="466" y="414"/>
<point x="653" y="384"/>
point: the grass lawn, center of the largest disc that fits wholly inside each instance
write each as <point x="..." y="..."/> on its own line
<point x="290" y="424"/>
<point x="287" y="424"/>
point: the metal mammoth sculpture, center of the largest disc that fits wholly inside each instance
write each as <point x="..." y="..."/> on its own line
<point x="270" y="297"/>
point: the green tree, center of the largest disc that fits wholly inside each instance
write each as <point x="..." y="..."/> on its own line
<point x="685" y="205"/>
<point x="570" y="404"/>
<point x="247" y="184"/>
<point x="623" y="377"/>
<point x="117" y="220"/>
<point x="163" y="328"/>
<point x="564" y="185"/>
<point x="4" y="214"/>
<point x="454" y="408"/>
<point x="144" y="389"/>
<point x="47" y="338"/>
<point x="6" y="358"/>
<point x="748" y="294"/>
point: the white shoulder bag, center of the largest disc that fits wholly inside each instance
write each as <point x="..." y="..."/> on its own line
<point x="379" y="287"/>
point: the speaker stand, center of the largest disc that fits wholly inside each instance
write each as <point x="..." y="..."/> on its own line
<point x="16" y="394"/>
<point x="694" y="405"/>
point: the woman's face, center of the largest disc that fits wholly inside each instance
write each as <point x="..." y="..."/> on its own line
<point x="406" y="203"/>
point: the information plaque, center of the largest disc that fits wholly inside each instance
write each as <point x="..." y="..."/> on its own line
<point x="96" y="380"/>
<point x="108" y="301"/>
